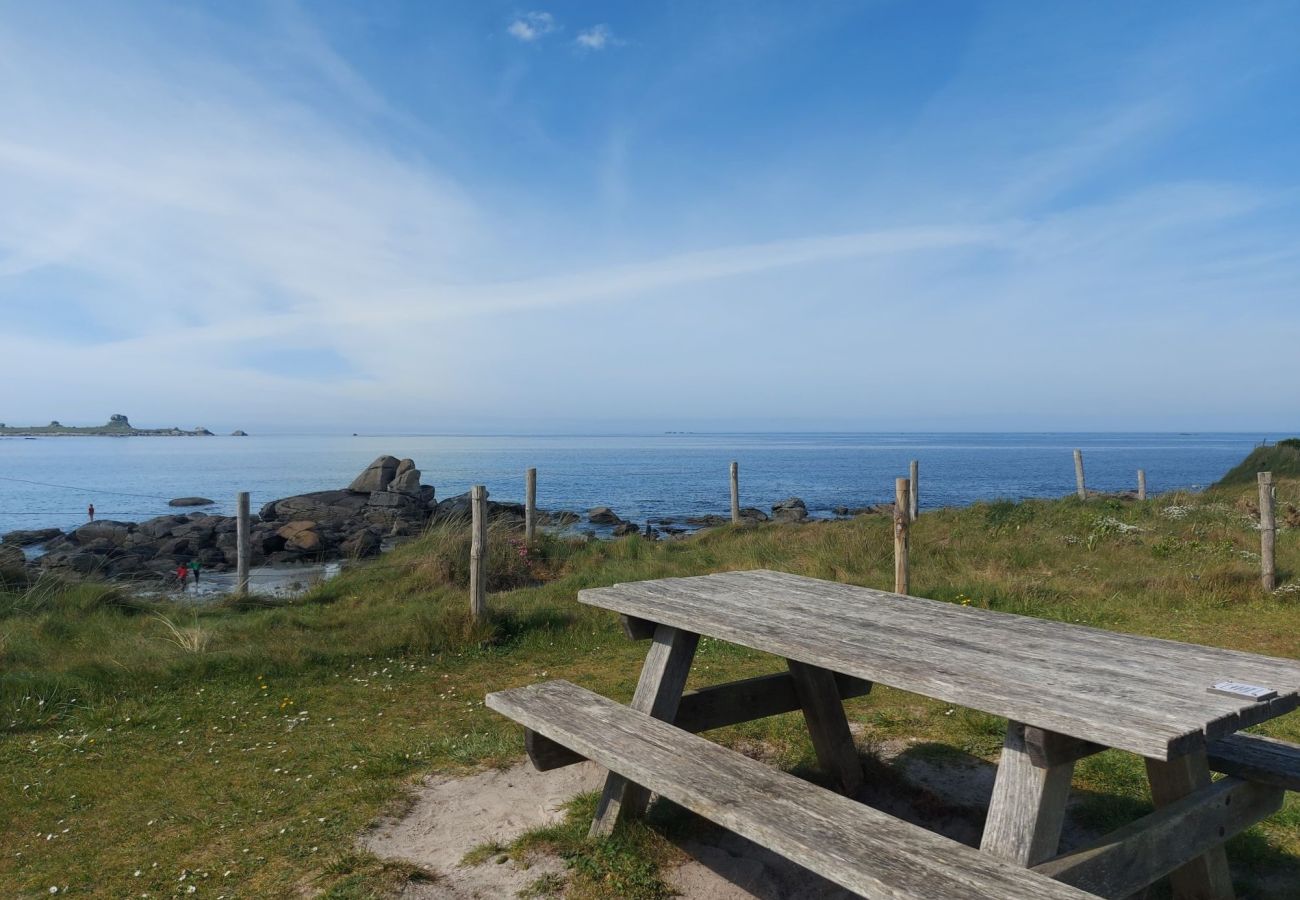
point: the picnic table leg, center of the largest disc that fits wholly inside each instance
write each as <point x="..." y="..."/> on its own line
<point x="1207" y="876"/>
<point x="1028" y="805"/>
<point x="823" y="710"/>
<point x="658" y="693"/>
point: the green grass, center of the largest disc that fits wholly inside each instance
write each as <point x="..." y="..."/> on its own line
<point x="245" y="746"/>
<point x="1282" y="459"/>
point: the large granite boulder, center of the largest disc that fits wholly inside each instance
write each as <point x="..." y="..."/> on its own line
<point x="31" y="536"/>
<point x="191" y="501"/>
<point x="320" y="506"/>
<point x="457" y="508"/>
<point x="603" y="515"/>
<point x="377" y="476"/>
<point x="11" y="557"/>
<point x="105" y="530"/>
<point x="791" y="510"/>
<point x="406" y="479"/>
<point x="361" y="544"/>
<point x="303" y="537"/>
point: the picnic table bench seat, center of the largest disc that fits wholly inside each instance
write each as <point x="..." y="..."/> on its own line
<point x="855" y="846"/>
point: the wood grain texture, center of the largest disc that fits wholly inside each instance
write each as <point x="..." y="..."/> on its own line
<point x="530" y="505"/>
<point x="855" y="846"/>
<point x="478" y="551"/>
<point x="1267" y="533"/>
<point x="658" y="693"/>
<point x="914" y="489"/>
<point x="735" y="493"/>
<point x="708" y="708"/>
<point x="1047" y="748"/>
<point x="1135" y="693"/>
<point x="1206" y="877"/>
<point x="823" y="711"/>
<point x="1027" y="810"/>
<point x="902" y="523"/>
<point x="637" y="629"/>
<point x="243" y="545"/>
<point x="1257" y="758"/>
<point x="1142" y="852"/>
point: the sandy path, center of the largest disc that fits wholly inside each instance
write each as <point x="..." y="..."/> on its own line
<point x="448" y="817"/>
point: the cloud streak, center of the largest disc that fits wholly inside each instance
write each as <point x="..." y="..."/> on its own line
<point x="532" y="26"/>
<point x="286" y="233"/>
<point x="597" y="37"/>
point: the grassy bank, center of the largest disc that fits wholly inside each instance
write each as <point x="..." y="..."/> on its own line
<point x="240" y="750"/>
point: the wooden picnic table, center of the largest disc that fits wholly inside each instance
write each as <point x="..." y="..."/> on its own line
<point x="1067" y="691"/>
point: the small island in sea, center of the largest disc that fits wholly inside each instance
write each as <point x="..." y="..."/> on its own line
<point x="117" y="426"/>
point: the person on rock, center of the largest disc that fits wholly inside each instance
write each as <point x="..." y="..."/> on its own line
<point x="90" y="511"/>
<point x="195" y="568"/>
<point x="183" y="574"/>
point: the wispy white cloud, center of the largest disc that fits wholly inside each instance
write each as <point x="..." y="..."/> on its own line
<point x="211" y="215"/>
<point x="532" y="26"/>
<point x="597" y="37"/>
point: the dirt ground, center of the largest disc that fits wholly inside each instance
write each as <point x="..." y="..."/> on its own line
<point x="448" y="817"/>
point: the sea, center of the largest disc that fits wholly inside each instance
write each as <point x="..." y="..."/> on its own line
<point x="49" y="481"/>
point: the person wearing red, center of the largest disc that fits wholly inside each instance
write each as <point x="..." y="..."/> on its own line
<point x="183" y="574"/>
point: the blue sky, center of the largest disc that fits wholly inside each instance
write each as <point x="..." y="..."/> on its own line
<point x="703" y="216"/>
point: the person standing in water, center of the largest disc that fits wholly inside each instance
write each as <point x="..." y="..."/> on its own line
<point x="183" y="574"/>
<point x="90" y="511"/>
<point x="195" y="568"/>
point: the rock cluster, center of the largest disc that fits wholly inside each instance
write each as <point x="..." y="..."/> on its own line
<point x="791" y="510"/>
<point x="385" y="500"/>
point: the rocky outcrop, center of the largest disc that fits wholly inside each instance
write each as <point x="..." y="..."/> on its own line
<point x="457" y="509"/>
<point x="11" y="558"/>
<point x="31" y="536"/>
<point x="191" y="501"/>
<point x="376" y="477"/>
<point x="239" y="432"/>
<point x="318" y="506"/>
<point x="709" y="521"/>
<point x="879" y="509"/>
<point x="406" y="480"/>
<point x="385" y="500"/>
<point x="791" y="510"/>
<point x="603" y="515"/>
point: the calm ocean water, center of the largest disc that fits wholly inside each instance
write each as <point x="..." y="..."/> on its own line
<point x="638" y="476"/>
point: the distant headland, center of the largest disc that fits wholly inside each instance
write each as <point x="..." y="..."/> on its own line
<point x="117" y="426"/>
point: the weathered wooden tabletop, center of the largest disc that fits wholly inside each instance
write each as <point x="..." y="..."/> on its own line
<point x="1146" y="695"/>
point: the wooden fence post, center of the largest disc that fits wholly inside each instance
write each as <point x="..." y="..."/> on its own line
<point x="1267" y="532"/>
<point x="913" y="495"/>
<point x="901" y="522"/>
<point x="1078" y="475"/>
<point x="530" y="505"/>
<point x="1142" y="484"/>
<point x="242" y="548"/>
<point x="478" y="552"/>
<point x="735" y="493"/>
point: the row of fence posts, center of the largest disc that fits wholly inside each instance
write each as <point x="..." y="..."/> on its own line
<point x="906" y="511"/>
